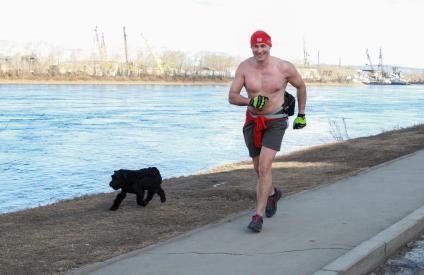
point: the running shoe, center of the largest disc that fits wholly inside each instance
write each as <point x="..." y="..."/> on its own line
<point x="256" y="223"/>
<point x="271" y="205"/>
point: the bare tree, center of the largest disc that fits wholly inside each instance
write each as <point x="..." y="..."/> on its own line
<point x="174" y="61"/>
<point x="218" y="64"/>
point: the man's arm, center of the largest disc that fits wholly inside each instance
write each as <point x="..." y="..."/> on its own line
<point x="296" y="80"/>
<point x="234" y="96"/>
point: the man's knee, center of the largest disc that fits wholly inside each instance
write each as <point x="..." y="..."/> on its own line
<point x="257" y="171"/>
<point x="265" y="161"/>
<point x="264" y="169"/>
<point x="255" y="161"/>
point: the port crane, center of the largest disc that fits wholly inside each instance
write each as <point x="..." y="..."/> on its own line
<point x="104" y="52"/>
<point x="101" y="46"/>
<point x="378" y="76"/>
<point x="152" y="52"/>
<point x="369" y="61"/>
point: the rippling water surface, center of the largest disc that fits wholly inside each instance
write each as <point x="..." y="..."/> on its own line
<point x="62" y="141"/>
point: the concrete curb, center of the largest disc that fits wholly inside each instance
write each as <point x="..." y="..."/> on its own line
<point x="369" y="254"/>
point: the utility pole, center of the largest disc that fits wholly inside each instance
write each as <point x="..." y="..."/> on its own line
<point x="380" y="62"/>
<point x="318" y="58"/>
<point x="99" y="46"/>
<point x="127" y="64"/>
<point x="305" y="55"/>
<point x="125" y="47"/>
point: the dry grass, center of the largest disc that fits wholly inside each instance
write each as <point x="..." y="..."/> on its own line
<point x="69" y="234"/>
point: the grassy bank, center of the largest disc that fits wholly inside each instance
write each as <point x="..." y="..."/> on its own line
<point x="69" y="234"/>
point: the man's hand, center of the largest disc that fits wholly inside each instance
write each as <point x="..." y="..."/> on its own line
<point x="259" y="102"/>
<point x="299" y="122"/>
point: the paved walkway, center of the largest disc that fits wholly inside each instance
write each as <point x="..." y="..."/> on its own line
<point x="310" y="229"/>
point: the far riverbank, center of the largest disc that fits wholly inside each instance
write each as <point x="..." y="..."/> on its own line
<point x="156" y="82"/>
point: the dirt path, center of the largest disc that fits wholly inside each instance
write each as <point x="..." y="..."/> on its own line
<point x="69" y="234"/>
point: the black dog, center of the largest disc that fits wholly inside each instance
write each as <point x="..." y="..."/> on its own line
<point x="137" y="182"/>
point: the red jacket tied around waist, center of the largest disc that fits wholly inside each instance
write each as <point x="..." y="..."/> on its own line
<point x="259" y="127"/>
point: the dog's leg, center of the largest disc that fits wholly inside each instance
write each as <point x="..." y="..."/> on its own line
<point x="161" y="194"/>
<point x="118" y="201"/>
<point x="140" y="198"/>
<point x="149" y="197"/>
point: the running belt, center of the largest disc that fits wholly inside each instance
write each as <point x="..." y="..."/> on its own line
<point x="277" y="114"/>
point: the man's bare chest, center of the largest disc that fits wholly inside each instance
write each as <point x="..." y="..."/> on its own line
<point x="268" y="81"/>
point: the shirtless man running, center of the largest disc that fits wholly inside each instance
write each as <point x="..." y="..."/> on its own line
<point x="265" y="78"/>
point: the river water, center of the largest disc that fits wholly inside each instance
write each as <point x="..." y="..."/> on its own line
<point x="63" y="141"/>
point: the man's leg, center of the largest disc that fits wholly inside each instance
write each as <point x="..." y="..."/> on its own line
<point x="265" y="187"/>
<point x="255" y="161"/>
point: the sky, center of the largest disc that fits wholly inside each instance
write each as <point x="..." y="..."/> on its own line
<point x="337" y="29"/>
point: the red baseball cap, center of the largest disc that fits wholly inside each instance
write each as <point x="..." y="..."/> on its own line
<point x="260" y="37"/>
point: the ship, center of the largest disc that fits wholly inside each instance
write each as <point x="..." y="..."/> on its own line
<point x="398" y="82"/>
<point x="380" y="76"/>
<point x="396" y="77"/>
